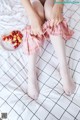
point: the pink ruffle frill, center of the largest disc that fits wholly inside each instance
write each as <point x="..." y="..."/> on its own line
<point x="32" y="43"/>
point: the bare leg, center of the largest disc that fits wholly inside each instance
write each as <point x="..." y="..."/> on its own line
<point x="33" y="90"/>
<point x="59" y="46"/>
<point x="39" y="9"/>
<point x="48" y="8"/>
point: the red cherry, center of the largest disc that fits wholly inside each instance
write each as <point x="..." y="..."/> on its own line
<point x="13" y="33"/>
<point x="15" y="46"/>
<point x="7" y="37"/>
<point x="18" y="43"/>
<point x="10" y="37"/>
<point x="4" y="37"/>
<point x="20" y="35"/>
<point x="17" y="31"/>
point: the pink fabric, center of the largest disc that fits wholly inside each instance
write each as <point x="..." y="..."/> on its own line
<point x="32" y="43"/>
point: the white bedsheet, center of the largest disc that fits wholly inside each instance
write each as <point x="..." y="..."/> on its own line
<point x="52" y="103"/>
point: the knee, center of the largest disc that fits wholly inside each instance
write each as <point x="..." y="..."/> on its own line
<point x="48" y="10"/>
<point x="41" y="14"/>
<point x="39" y="9"/>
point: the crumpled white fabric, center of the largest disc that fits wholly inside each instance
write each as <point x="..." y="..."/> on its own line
<point x="12" y="16"/>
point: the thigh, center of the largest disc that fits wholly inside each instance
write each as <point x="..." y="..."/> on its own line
<point x="48" y="8"/>
<point x="38" y="7"/>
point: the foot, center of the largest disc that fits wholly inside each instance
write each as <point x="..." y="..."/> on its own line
<point x="68" y="84"/>
<point x="33" y="90"/>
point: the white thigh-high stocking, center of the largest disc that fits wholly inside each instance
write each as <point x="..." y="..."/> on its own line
<point x="59" y="46"/>
<point x="33" y="90"/>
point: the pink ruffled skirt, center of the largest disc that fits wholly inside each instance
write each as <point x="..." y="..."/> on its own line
<point x="32" y="43"/>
